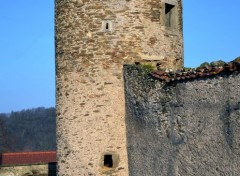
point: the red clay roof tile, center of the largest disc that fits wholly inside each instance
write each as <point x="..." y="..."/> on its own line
<point x="20" y="158"/>
<point x="193" y="74"/>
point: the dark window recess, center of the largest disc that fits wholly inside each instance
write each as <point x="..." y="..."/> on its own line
<point x="107" y="26"/>
<point x="168" y="14"/>
<point x="108" y="162"/>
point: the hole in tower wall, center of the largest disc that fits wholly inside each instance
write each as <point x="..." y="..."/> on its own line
<point x="108" y="161"/>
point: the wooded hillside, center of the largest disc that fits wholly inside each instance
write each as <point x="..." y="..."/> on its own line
<point x="28" y="130"/>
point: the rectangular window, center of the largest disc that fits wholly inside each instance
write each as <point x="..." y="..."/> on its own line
<point x="169" y="15"/>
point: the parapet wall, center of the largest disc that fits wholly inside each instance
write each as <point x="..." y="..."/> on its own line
<point x="184" y="127"/>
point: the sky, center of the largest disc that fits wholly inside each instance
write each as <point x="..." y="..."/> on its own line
<point x="27" y="58"/>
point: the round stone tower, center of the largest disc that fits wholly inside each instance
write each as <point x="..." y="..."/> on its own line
<point x="94" y="38"/>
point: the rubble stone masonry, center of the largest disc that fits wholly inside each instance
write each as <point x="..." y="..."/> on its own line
<point x="94" y="38"/>
<point x="187" y="127"/>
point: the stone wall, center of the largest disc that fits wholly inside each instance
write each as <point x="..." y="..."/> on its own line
<point x="182" y="128"/>
<point x="29" y="170"/>
<point x="93" y="40"/>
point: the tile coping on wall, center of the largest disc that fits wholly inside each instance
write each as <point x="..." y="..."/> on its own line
<point x="24" y="158"/>
<point x="168" y="75"/>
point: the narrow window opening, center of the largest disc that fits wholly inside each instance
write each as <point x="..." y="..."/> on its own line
<point x="107" y="26"/>
<point x="108" y="161"/>
<point x="168" y="14"/>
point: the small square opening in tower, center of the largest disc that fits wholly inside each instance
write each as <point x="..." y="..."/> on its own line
<point x="169" y="15"/>
<point x="108" y="161"/>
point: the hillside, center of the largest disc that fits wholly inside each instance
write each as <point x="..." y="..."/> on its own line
<point x="28" y="130"/>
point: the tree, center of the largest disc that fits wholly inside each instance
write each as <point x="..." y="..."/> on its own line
<point x="5" y="139"/>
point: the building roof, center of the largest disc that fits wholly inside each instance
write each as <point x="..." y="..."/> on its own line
<point x="188" y="74"/>
<point x="22" y="158"/>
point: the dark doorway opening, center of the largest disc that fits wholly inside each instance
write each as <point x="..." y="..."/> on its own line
<point x="108" y="161"/>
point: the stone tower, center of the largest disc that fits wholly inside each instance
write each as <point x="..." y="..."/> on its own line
<point x="94" y="38"/>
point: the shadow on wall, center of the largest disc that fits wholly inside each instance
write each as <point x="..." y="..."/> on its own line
<point x="0" y="159"/>
<point x="52" y="169"/>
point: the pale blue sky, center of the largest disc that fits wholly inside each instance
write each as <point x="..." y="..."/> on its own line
<point x="27" y="70"/>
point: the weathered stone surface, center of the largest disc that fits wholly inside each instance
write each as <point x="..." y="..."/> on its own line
<point x="93" y="40"/>
<point x="183" y="128"/>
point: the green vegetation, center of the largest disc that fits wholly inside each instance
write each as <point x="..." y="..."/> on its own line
<point x="147" y="68"/>
<point x="237" y="59"/>
<point x="187" y="69"/>
<point x="5" y="139"/>
<point x="28" y="130"/>
<point x="217" y="63"/>
<point x="204" y="64"/>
